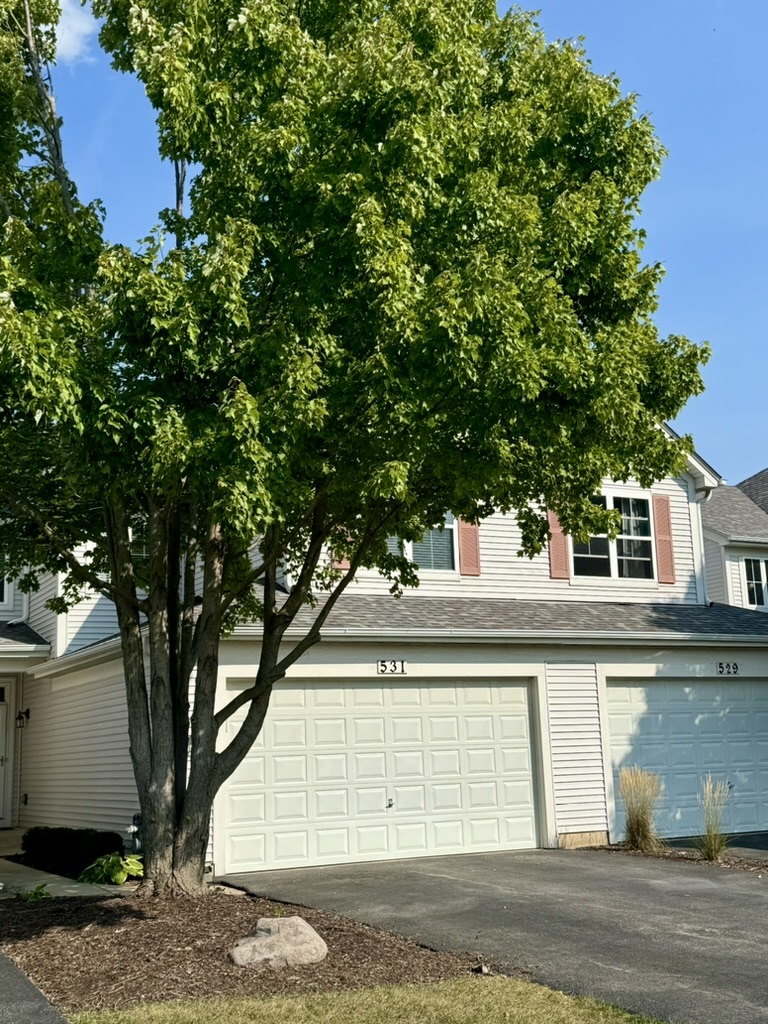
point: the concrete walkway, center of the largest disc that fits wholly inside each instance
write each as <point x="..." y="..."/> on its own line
<point x="16" y="878"/>
<point x="681" y="942"/>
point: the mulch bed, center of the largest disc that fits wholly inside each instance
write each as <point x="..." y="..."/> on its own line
<point x="93" y="953"/>
<point x="728" y="860"/>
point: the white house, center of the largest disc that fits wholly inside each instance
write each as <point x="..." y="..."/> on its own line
<point x="490" y="709"/>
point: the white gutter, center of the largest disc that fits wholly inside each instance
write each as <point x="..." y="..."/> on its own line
<point x="353" y="635"/>
<point x="24" y="611"/>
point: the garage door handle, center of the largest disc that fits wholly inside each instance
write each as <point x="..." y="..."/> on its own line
<point x="390" y="803"/>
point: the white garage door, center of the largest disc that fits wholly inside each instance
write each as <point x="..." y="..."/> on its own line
<point x="685" y="731"/>
<point x="370" y="772"/>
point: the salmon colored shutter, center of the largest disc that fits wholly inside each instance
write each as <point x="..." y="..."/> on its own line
<point x="341" y="563"/>
<point x="559" y="566"/>
<point x="662" y="524"/>
<point x="469" y="548"/>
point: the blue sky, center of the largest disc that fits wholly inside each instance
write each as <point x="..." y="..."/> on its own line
<point x="698" y="68"/>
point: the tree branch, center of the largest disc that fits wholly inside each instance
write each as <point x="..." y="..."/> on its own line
<point x="49" y="120"/>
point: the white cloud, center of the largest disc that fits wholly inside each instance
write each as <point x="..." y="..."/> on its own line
<point x="74" y="32"/>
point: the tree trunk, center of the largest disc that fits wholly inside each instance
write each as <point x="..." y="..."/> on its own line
<point x="174" y="856"/>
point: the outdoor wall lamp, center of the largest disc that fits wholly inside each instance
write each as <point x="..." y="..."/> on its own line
<point x="22" y="718"/>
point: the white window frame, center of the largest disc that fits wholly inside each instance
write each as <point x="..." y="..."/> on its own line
<point x="762" y="563"/>
<point x="610" y="494"/>
<point x="407" y="550"/>
<point x="7" y="601"/>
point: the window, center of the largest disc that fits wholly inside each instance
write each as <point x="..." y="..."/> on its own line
<point x="756" y="570"/>
<point x="435" y="551"/>
<point x="630" y="555"/>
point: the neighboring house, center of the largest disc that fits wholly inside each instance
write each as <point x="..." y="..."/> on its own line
<point x="492" y="708"/>
<point x="736" y="549"/>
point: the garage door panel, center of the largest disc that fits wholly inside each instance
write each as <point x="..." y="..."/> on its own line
<point x="478" y="727"/>
<point x="372" y="840"/>
<point x="368" y="731"/>
<point x="247" y="807"/>
<point x="289" y="733"/>
<point x="481" y="762"/>
<point x="482" y="794"/>
<point x="410" y="837"/>
<point x="290" y="806"/>
<point x="447" y="836"/>
<point x="330" y="732"/>
<point x="444" y="762"/>
<point x="332" y="803"/>
<point x="446" y="796"/>
<point x="443" y="729"/>
<point x="441" y="695"/>
<point x="371" y="765"/>
<point x="514" y="727"/>
<point x="407" y="764"/>
<point x="330" y="767"/>
<point x="288" y="768"/>
<point x="713" y="754"/>
<point x="518" y="833"/>
<point x="717" y="728"/>
<point x="252" y="770"/>
<point x="407" y="730"/>
<point x="410" y="799"/>
<point x="478" y="696"/>
<point x="516" y="794"/>
<point x="332" y="843"/>
<point x="512" y="761"/>
<point x="367" y="773"/>
<point x="371" y="801"/>
<point x="484" y="831"/>
<point x="682" y="754"/>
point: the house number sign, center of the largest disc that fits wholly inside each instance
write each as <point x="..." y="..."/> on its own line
<point x="727" y="668"/>
<point x="390" y="667"/>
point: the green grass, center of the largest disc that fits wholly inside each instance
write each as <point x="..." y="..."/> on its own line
<point x="496" y="1000"/>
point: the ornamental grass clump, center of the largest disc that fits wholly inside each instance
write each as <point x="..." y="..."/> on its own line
<point x="640" y="790"/>
<point x="712" y="800"/>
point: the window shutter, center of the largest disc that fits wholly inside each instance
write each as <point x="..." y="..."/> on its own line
<point x="469" y="548"/>
<point x="341" y="563"/>
<point x="662" y="525"/>
<point x="559" y="566"/>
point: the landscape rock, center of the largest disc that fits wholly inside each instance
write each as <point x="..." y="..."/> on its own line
<point x="280" y="942"/>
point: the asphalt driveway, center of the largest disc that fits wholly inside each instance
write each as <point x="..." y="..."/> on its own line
<point x="682" y="942"/>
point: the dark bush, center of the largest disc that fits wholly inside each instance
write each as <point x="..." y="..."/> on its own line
<point x="67" y="851"/>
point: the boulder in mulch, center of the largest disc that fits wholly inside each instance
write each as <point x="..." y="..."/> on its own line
<point x="280" y="942"/>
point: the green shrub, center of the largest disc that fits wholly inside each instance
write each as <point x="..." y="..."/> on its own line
<point x="36" y="895"/>
<point x="112" y="869"/>
<point x="712" y="800"/>
<point x="640" y="790"/>
<point x="67" y="851"/>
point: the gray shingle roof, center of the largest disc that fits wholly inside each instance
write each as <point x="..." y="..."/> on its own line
<point x="20" y="634"/>
<point x="454" y="617"/>
<point x="732" y="513"/>
<point x="756" y="487"/>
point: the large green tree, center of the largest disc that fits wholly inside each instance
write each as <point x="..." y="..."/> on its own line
<point x="406" y="279"/>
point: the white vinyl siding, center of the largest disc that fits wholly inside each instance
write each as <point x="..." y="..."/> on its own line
<point x="90" y="620"/>
<point x="714" y="569"/>
<point x="576" y="745"/>
<point x="40" y="618"/>
<point x="504" y="574"/>
<point x="76" y="769"/>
